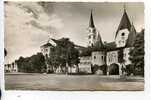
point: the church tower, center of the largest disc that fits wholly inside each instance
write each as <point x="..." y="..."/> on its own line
<point x="92" y="32"/>
<point x="131" y="37"/>
<point x="123" y="30"/>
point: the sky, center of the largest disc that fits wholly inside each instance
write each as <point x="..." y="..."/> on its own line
<point x="28" y="25"/>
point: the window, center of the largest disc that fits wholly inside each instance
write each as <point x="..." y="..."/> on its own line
<point x="119" y="42"/>
<point x="46" y="50"/>
<point x="124" y="54"/>
<point x="89" y="30"/>
<point x="109" y="59"/>
<point x="102" y="57"/>
<point x="94" y="37"/>
<point x="94" y="30"/>
<point x="123" y="34"/>
<point x="94" y="57"/>
<point x="89" y="42"/>
<point x="46" y="55"/>
<point x="89" y="37"/>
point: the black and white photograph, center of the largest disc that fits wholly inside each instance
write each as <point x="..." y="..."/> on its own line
<point x="74" y="46"/>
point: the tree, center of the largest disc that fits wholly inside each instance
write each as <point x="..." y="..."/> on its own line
<point x="86" y="52"/>
<point x="121" y="59"/>
<point x="37" y="63"/>
<point x="64" y="54"/>
<point x="20" y="64"/>
<point x="34" y="63"/>
<point x="137" y="54"/>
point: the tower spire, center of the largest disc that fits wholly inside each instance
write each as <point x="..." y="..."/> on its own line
<point x="99" y="44"/>
<point x="91" y="22"/>
<point x="131" y="36"/>
<point x="124" y="23"/>
<point x="124" y="6"/>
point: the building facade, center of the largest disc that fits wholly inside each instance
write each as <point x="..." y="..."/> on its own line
<point x="46" y="50"/>
<point x="85" y="64"/>
<point x="108" y="53"/>
<point x="11" y="67"/>
<point x="105" y="56"/>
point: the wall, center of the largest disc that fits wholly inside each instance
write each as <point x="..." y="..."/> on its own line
<point x="98" y="58"/>
<point x="122" y="38"/>
<point x="85" y="64"/>
<point x="112" y="57"/>
<point x="11" y="67"/>
<point x="126" y="56"/>
<point x="46" y="51"/>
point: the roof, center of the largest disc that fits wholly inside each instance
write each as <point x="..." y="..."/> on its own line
<point x="80" y="47"/>
<point x="124" y="23"/>
<point x="99" y="44"/>
<point x="91" y="22"/>
<point x="47" y="45"/>
<point x="131" y="37"/>
<point x="56" y="41"/>
<point x="110" y="46"/>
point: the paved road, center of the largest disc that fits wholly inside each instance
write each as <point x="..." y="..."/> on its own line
<point x="71" y="82"/>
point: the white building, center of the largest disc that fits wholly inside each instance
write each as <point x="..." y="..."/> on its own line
<point x="11" y="67"/>
<point x="85" y="64"/>
<point x="98" y="58"/>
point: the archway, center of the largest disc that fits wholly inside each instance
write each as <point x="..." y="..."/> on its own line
<point x="114" y="69"/>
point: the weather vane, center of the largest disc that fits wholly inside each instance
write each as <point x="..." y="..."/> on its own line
<point x="124" y="7"/>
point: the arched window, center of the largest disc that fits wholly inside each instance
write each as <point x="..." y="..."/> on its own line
<point x="94" y="57"/>
<point x="46" y="55"/>
<point x="89" y="37"/>
<point x="102" y="57"/>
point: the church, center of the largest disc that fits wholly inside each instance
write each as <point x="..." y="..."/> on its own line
<point x="104" y="60"/>
<point x="107" y="54"/>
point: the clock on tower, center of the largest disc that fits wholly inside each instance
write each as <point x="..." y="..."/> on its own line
<point x="123" y="31"/>
<point x="122" y="37"/>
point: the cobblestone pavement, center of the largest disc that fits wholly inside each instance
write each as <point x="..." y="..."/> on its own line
<point x="72" y="82"/>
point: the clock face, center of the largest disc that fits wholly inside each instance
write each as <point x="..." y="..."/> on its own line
<point x="122" y="37"/>
<point x="123" y="32"/>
